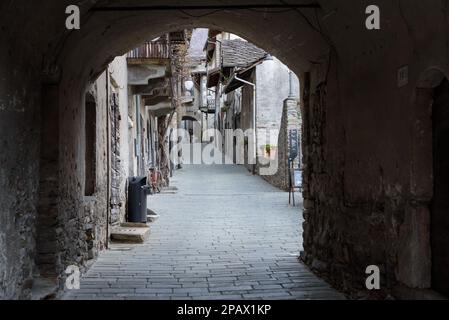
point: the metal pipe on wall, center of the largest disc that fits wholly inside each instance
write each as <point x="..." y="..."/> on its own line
<point x="254" y="117"/>
<point x="138" y="146"/>
<point x="108" y="151"/>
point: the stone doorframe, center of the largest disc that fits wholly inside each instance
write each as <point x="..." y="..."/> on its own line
<point x="414" y="268"/>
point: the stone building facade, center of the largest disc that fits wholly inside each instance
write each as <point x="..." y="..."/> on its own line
<point x="276" y="106"/>
<point x="118" y="139"/>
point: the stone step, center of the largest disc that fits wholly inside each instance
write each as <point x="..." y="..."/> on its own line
<point x="130" y="233"/>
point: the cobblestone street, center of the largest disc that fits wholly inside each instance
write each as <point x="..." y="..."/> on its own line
<point x="225" y="234"/>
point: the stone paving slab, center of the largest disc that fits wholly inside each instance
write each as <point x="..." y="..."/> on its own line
<point x="226" y="234"/>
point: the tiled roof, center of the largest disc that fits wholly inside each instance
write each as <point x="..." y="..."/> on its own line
<point x="196" y="47"/>
<point x="239" y="53"/>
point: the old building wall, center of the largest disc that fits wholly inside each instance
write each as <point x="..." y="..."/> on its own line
<point x="132" y="134"/>
<point x="93" y="225"/>
<point x="20" y="134"/>
<point x="145" y="117"/>
<point x="135" y="102"/>
<point x="247" y="119"/>
<point x="118" y="72"/>
<point x="82" y="231"/>
<point x="148" y="137"/>
<point x="46" y="239"/>
<point x="278" y="174"/>
<point x="19" y="168"/>
<point x="272" y="79"/>
<point x="273" y="87"/>
<point x="359" y="168"/>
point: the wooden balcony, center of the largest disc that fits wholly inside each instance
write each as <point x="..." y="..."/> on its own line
<point x="209" y="107"/>
<point x="150" y="52"/>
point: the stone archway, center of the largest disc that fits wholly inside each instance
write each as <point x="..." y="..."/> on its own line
<point x="364" y="183"/>
<point x="102" y="40"/>
<point x="190" y="118"/>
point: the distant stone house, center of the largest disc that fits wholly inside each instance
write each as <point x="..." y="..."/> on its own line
<point x="150" y="93"/>
<point x="136" y="93"/>
<point x="158" y="102"/>
<point x="251" y="86"/>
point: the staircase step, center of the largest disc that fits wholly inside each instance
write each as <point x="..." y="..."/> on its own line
<point x="130" y="233"/>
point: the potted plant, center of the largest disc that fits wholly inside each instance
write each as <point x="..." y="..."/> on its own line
<point x="269" y="151"/>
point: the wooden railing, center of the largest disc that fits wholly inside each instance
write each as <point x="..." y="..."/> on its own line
<point x="151" y="50"/>
<point x="211" y="105"/>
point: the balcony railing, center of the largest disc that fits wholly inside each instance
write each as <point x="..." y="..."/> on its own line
<point x="151" y="50"/>
<point x="210" y="106"/>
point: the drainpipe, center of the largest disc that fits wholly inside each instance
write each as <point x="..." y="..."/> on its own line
<point x="217" y="112"/>
<point x="290" y="82"/>
<point x="254" y="117"/>
<point x="138" y="136"/>
<point x="108" y="151"/>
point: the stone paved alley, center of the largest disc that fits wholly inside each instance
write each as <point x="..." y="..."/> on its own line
<point x="225" y="235"/>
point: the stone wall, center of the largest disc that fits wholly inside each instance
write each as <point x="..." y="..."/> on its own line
<point x="360" y="208"/>
<point x="20" y="100"/>
<point x="291" y="120"/>
<point x="273" y="87"/>
<point x="273" y="118"/>
<point x="363" y="204"/>
<point x="84" y="234"/>
<point x="119" y="129"/>
<point x="149" y="129"/>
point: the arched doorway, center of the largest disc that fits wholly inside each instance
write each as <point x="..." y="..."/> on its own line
<point x="105" y="35"/>
<point x="116" y="42"/>
<point x="423" y="254"/>
<point x="188" y="124"/>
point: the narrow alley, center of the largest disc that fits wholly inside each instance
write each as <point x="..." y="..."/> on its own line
<point x="226" y="234"/>
<point x="211" y="113"/>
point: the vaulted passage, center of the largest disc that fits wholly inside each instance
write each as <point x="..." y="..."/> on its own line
<point x="373" y="106"/>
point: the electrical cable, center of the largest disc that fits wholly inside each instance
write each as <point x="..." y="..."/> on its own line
<point x="201" y="15"/>
<point x="185" y="11"/>
<point x="281" y="7"/>
<point x="320" y="31"/>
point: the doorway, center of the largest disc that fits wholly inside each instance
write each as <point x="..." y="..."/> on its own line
<point x="440" y="204"/>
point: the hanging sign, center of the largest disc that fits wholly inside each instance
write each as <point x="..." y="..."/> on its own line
<point x="294" y="144"/>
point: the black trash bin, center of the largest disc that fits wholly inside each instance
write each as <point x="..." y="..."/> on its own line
<point x="138" y="191"/>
